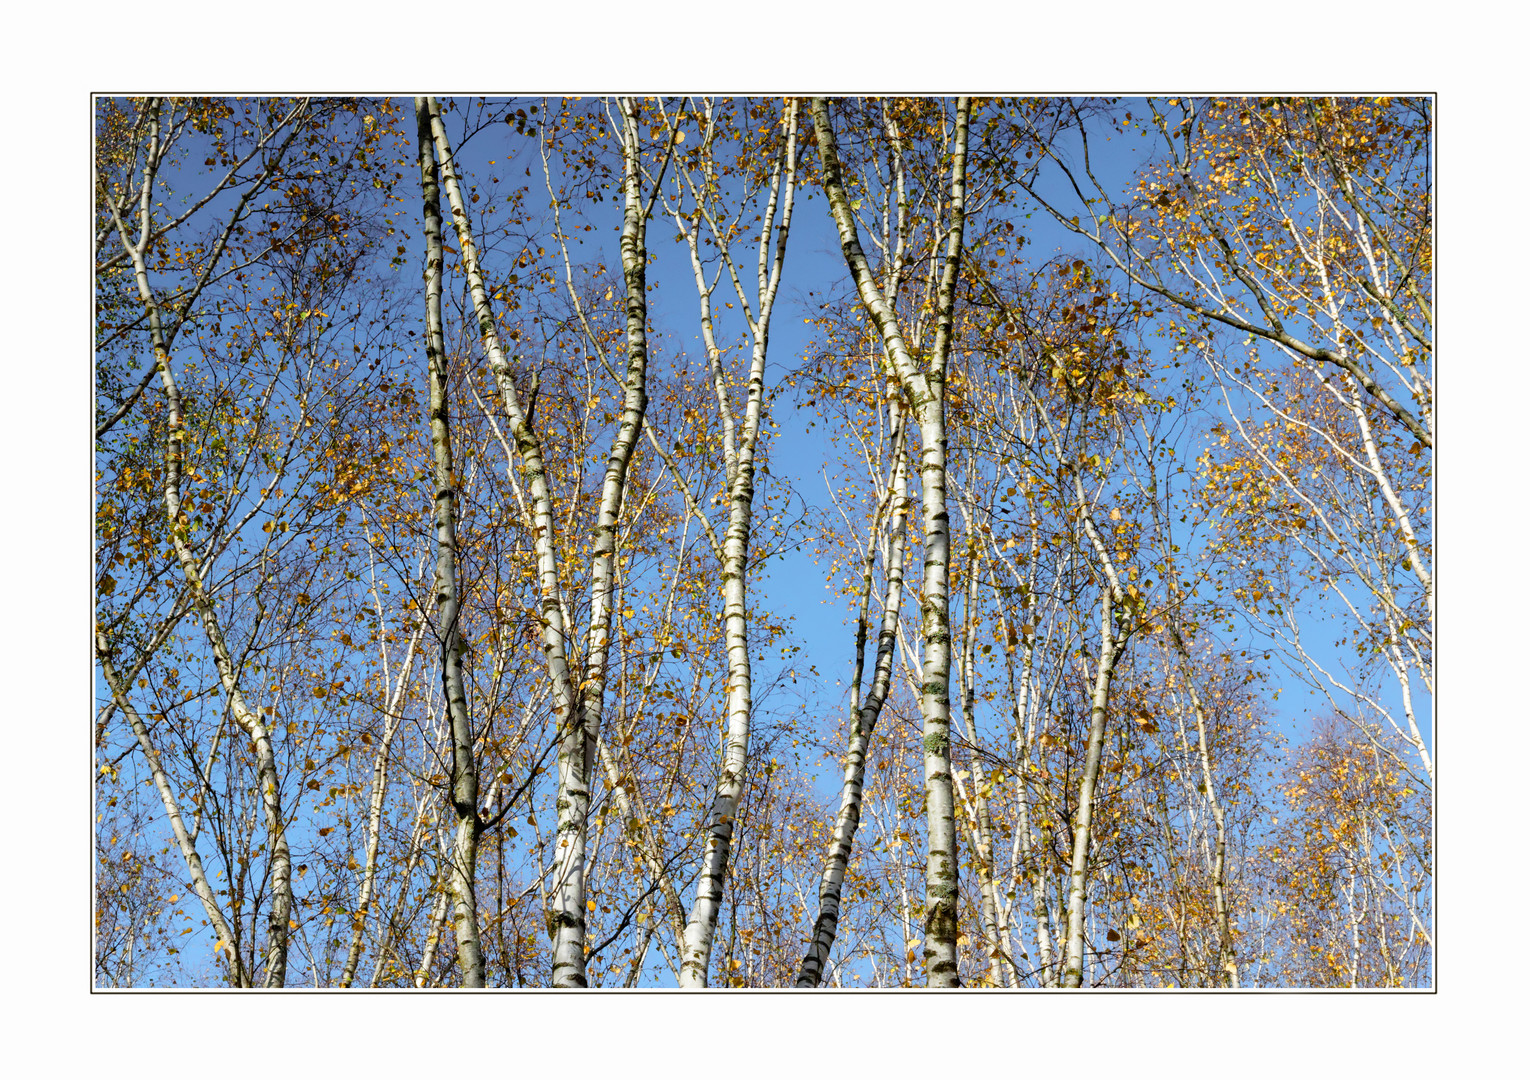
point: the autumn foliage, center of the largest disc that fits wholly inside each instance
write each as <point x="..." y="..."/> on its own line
<point x="458" y="577"/>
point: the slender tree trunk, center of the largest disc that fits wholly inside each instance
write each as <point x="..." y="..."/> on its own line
<point x="1029" y="864"/>
<point x="926" y="392"/>
<point x="1227" y="961"/>
<point x="1073" y="962"/>
<point x="863" y="718"/>
<point x="697" y="949"/>
<point x="464" y="766"/>
<point x="391" y="928"/>
<point x="979" y="822"/>
<point x="374" y="813"/>
<point x="577" y="741"/>
<point x="577" y="704"/>
<point x="569" y="961"/>
<point x="433" y="939"/>
<point x="267" y="775"/>
<point x="238" y="975"/>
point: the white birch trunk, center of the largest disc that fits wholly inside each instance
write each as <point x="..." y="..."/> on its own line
<point x="577" y="704"/>
<point x="926" y="391"/>
<point x="979" y="821"/>
<point x="248" y="719"/>
<point x="700" y="928"/>
<point x="577" y="741"/>
<point x="1073" y="960"/>
<point x="1227" y="960"/>
<point x="375" y="808"/>
<point x="863" y="719"/>
<point x="464" y="766"/>
<point x="187" y="842"/>
<point x="436" y="924"/>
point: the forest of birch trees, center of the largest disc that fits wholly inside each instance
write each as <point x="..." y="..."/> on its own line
<point x="763" y="542"/>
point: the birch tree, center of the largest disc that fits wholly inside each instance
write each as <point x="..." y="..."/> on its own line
<point x="464" y="768"/>
<point x="578" y="700"/>
<point x="741" y="445"/>
<point x="244" y="292"/>
<point x="1332" y="435"/>
<point x="925" y="387"/>
<point x="161" y="333"/>
<point x="893" y="508"/>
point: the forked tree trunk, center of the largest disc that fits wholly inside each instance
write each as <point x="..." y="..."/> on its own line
<point x="463" y="862"/>
<point x="577" y="703"/>
<point x="696" y="951"/>
<point x="926" y="392"/>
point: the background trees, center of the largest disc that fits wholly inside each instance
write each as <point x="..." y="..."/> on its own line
<point x="452" y="631"/>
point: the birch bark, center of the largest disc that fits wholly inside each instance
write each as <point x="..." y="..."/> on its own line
<point x="1115" y="601"/>
<point x="1073" y="960"/>
<point x="238" y="975"/>
<point x="979" y="819"/>
<point x="578" y="703"/>
<point x="926" y="392"/>
<point x="464" y="766"/>
<point x="697" y="949"/>
<point x="863" y="717"/>
<point x="248" y="719"/>
<point x="577" y="748"/>
<point x="375" y="809"/>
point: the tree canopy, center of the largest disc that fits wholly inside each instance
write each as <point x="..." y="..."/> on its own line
<point x="764" y="542"/>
